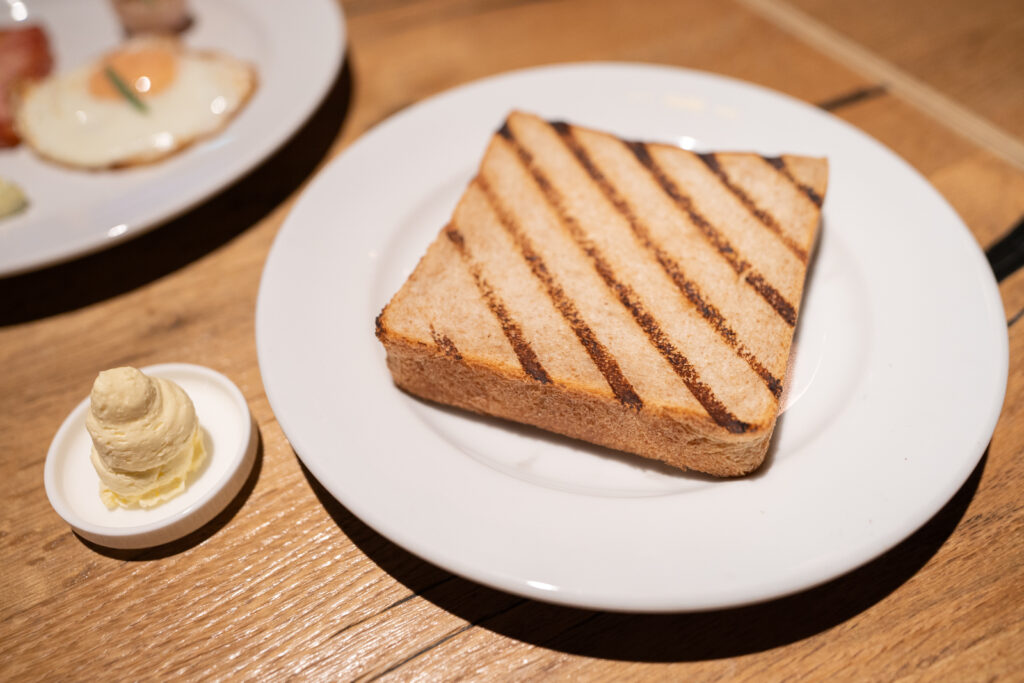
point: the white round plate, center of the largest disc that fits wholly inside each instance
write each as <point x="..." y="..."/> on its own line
<point x="72" y="484"/>
<point x="71" y="212"/>
<point x="899" y="375"/>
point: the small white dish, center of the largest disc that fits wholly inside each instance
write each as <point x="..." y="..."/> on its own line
<point x="73" y="486"/>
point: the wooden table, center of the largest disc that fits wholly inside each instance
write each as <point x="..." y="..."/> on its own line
<point x="288" y="583"/>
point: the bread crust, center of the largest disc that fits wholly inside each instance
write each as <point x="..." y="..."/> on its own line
<point x="682" y="439"/>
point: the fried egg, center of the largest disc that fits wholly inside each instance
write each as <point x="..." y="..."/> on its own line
<point x="140" y="103"/>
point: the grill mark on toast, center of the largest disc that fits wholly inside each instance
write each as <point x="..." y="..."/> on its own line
<point x="445" y="345"/>
<point x="524" y="352"/>
<point x="603" y="360"/>
<point x="687" y="287"/>
<point x="718" y="411"/>
<point x="772" y="296"/>
<point x="779" y="164"/>
<point x="768" y="220"/>
<point x="684" y="202"/>
<point x="716" y="239"/>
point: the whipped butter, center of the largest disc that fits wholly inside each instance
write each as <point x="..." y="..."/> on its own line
<point x="146" y="439"/>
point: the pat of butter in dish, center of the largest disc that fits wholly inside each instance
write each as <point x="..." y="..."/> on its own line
<point x="146" y="439"/>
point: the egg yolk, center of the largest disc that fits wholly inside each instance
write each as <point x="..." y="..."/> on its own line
<point x="146" y="71"/>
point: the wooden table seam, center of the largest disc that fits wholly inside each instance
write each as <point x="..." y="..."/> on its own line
<point x="440" y="641"/>
<point x="924" y="97"/>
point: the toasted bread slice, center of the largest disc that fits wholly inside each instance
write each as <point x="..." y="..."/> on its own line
<point x="637" y="296"/>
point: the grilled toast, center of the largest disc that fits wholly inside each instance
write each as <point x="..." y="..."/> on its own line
<point x="634" y="295"/>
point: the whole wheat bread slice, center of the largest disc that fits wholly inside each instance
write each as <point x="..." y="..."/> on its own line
<point x="638" y="296"/>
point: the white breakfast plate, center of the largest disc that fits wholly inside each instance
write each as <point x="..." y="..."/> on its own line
<point x="899" y="375"/>
<point x="71" y="212"/>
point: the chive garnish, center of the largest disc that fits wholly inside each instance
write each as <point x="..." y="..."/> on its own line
<point x="123" y="88"/>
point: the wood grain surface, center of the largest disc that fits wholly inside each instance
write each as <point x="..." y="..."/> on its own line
<point x="287" y="583"/>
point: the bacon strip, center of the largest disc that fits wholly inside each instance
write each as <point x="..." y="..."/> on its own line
<point x="24" y="55"/>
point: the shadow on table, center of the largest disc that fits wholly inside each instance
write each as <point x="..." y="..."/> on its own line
<point x="661" y="638"/>
<point x="199" y="535"/>
<point x="190" y="236"/>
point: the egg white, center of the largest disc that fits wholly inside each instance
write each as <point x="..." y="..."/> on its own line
<point x="63" y="121"/>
